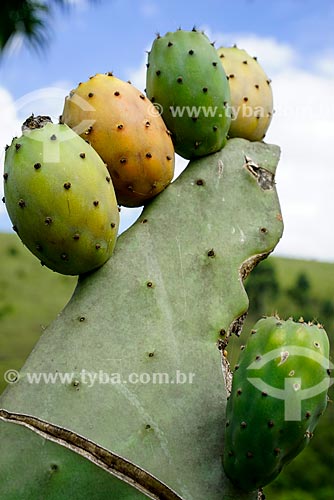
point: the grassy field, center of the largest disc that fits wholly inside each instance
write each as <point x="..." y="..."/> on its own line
<point x="321" y="274"/>
<point x="31" y="296"/>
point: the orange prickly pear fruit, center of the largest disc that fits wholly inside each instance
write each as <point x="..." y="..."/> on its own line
<point x="128" y="133"/>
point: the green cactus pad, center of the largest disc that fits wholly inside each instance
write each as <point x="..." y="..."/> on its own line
<point x="158" y="312"/>
<point x="188" y="85"/>
<point x="278" y="394"/>
<point x="60" y="198"/>
<point x="60" y="471"/>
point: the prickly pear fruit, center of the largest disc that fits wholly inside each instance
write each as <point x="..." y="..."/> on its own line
<point x="279" y="391"/>
<point x="60" y="198"/>
<point x="189" y="86"/>
<point x="251" y="94"/>
<point x="124" y="128"/>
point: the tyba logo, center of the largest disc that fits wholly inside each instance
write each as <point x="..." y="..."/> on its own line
<point x="293" y="393"/>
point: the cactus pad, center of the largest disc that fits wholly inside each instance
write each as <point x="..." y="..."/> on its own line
<point x="149" y="326"/>
<point x="278" y="394"/>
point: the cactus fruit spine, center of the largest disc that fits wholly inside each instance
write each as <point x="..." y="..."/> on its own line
<point x="267" y="422"/>
<point x="188" y="84"/>
<point x="60" y="198"/>
<point x="123" y="127"/>
<point x="251" y="94"/>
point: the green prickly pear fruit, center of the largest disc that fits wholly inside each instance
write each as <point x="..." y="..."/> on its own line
<point x="60" y="197"/>
<point x="279" y="391"/>
<point x="189" y="86"/>
<point x="124" y="128"/>
<point x="251" y="94"/>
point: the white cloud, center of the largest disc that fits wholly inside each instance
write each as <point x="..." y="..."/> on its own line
<point x="9" y="121"/>
<point x="303" y="127"/>
<point x="325" y="65"/>
<point x="271" y="54"/>
<point x="9" y="125"/>
<point x="138" y="75"/>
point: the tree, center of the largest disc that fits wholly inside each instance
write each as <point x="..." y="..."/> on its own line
<point x="300" y="291"/>
<point x="26" y="18"/>
<point x="262" y="286"/>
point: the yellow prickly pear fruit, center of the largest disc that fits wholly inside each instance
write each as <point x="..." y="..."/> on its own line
<point x="127" y="131"/>
<point x="251" y="94"/>
<point x="60" y="197"/>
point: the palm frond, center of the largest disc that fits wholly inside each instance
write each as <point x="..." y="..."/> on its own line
<point x="22" y="17"/>
<point x="28" y="18"/>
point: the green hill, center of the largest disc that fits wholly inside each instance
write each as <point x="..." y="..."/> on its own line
<point x="31" y="296"/>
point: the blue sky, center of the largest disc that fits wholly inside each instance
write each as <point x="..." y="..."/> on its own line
<point x="293" y="40"/>
<point x="113" y="34"/>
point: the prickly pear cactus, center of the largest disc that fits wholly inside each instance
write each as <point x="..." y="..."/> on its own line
<point x="189" y="86"/>
<point x="251" y="94"/>
<point x="60" y="198"/>
<point x="278" y="394"/>
<point x="124" y="128"/>
<point x="61" y="468"/>
<point x="141" y="338"/>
